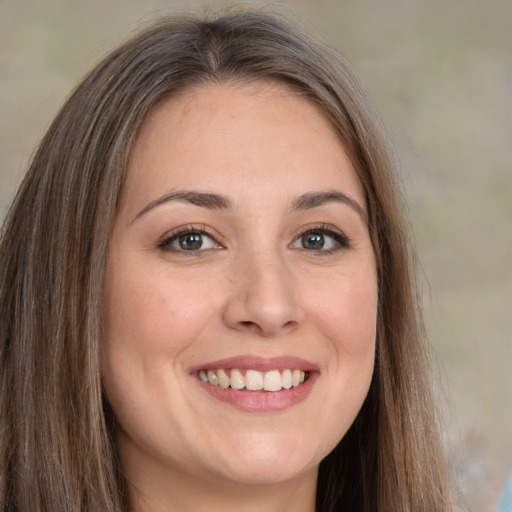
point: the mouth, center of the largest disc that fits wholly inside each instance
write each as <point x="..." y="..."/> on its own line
<point x="258" y="384"/>
<point x="254" y="380"/>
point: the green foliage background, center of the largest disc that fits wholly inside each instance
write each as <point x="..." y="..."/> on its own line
<point x="440" y="73"/>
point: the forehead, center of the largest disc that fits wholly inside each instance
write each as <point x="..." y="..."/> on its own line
<point x="260" y="135"/>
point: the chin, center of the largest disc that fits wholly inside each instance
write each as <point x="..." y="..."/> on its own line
<point x="266" y="462"/>
<point x="267" y="472"/>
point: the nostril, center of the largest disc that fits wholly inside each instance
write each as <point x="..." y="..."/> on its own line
<point x="252" y="327"/>
<point x="249" y="324"/>
<point x="265" y="330"/>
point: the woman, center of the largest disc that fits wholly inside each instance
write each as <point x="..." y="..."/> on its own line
<point x="207" y="292"/>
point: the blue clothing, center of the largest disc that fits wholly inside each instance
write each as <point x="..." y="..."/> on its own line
<point x="506" y="501"/>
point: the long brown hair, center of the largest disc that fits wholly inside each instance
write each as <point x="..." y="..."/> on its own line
<point x="57" y="443"/>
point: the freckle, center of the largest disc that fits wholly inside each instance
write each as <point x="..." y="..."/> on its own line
<point x="162" y="301"/>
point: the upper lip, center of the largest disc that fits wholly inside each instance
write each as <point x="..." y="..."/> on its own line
<point x="253" y="362"/>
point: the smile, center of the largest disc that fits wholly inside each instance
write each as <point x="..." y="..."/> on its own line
<point x="254" y="380"/>
<point x="257" y="384"/>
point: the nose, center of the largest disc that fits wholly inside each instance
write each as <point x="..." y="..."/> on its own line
<point x="263" y="299"/>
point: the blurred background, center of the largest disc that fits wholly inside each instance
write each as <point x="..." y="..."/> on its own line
<point x="440" y="74"/>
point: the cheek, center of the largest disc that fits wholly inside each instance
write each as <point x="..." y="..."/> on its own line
<point x="155" y="315"/>
<point x="348" y="316"/>
<point x="348" y="321"/>
<point x="150" y="322"/>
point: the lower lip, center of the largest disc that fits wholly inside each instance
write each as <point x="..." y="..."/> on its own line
<point x="262" y="401"/>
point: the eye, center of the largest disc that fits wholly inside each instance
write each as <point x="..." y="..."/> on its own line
<point x="190" y="240"/>
<point x="321" y="239"/>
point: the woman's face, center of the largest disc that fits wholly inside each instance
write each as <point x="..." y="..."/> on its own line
<point x="241" y="295"/>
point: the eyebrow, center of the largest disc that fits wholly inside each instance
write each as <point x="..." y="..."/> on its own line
<point x="203" y="199"/>
<point x="213" y="201"/>
<point x="315" y="199"/>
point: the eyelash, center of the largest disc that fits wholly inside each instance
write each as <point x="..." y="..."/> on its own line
<point x="341" y="240"/>
<point x="169" y="238"/>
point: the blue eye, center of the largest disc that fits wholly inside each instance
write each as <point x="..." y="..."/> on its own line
<point x="321" y="239"/>
<point x="314" y="241"/>
<point x="188" y="240"/>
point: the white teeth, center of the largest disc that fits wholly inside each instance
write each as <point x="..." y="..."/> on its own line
<point x="253" y="380"/>
<point x="212" y="378"/>
<point x="273" y="381"/>
<point x="237" y="380"/>
<point x="287" y="379"/>
<point x="223" y="378"/>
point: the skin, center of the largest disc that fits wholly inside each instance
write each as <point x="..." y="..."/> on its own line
<point x="252" y="289"/>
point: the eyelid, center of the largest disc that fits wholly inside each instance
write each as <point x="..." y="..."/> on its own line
<point x="342" y="240"/>
<point x="339" y="237"/>
<point x="165" y="241"/>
